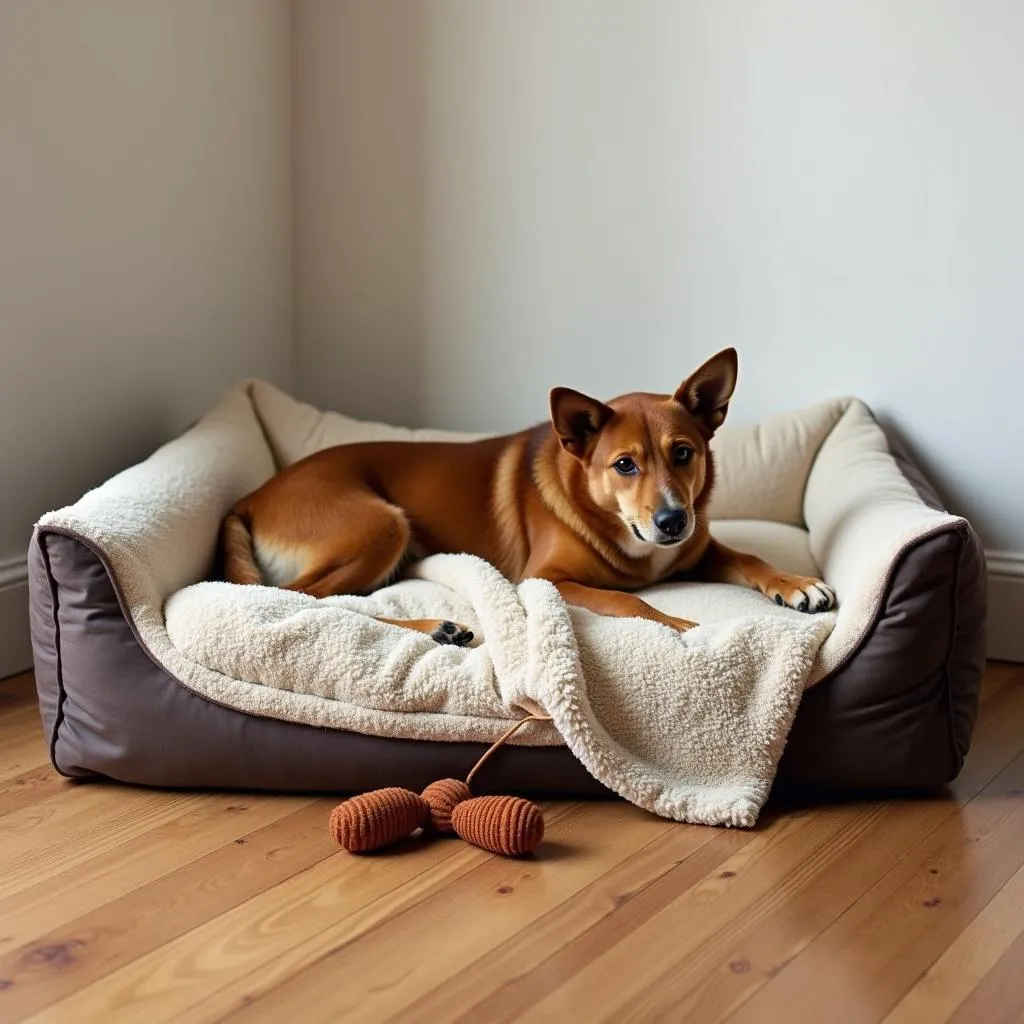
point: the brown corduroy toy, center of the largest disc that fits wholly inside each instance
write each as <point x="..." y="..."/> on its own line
<point x="508" y="825"/>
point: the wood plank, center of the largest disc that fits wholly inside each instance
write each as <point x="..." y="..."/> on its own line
<point x="19" y="720"/>
<point x="742" y="956"/>
<point x="22" y="740"/>
<point x="608" y="972"/>
<point x="729" y="968"/>
<point x="72" y="804"/>
<point x="329" y="906"/>
<point x="499" y="896"/>
<point x="357" y="925"/>
<point x="511" y="977"/>
<point x="978" y="948"/>
<point x="864" y="963"/>
<point x="60" y="901"/>
<point x="78" y="824"/>
<point x="387" y="983"/>
<point x="19" y="710"/>
<point x="998" y="674"/>
<point x="29" y="788"/>
<point x="23" y="752"/>
<point x="124" y="929"/>
<point x="998" y="738"/>
<point x="674" y="992"/>
<point x="999" y="998"/>
<point x="254" y="932"/>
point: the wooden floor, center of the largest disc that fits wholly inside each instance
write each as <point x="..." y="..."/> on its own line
<point x="121" y="904"/>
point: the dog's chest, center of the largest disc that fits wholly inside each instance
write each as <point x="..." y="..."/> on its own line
<point x="661" y="563"/>
<point x="651" y="566"/>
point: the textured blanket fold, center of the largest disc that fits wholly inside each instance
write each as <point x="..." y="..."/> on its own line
<point x="690" y="727"/>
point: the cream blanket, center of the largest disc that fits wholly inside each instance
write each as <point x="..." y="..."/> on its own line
<point x="690" y="727"/>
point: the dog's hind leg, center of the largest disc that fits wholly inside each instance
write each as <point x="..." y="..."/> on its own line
<point x="444" y="631"/>
<point x="356" y="561"/>
<point x="360" y="544"/>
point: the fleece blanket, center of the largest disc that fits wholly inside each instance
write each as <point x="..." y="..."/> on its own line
<point x="688" y="726"/>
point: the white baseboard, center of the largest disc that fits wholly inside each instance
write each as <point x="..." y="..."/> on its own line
<point x="15" y="649"/>
<point x="1005" y="605"/>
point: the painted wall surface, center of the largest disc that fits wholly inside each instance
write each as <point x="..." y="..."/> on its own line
<point x="432" y="211"/>
<point x="144" y="231"/>
<point x="499" y="197"/>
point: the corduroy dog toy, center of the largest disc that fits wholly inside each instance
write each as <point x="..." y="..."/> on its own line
<point x="507" y="825"/>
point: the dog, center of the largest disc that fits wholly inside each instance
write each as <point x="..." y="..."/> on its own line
<point x="603" y="500"/>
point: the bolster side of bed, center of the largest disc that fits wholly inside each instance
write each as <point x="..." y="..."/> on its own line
<point x="45" y="642"/>
<point x="900" y="711"/>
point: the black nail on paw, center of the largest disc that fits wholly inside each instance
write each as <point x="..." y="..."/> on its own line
<point x="778" y="599"/>
<point x="803" y="606"/>
<point x="449" y="627"/>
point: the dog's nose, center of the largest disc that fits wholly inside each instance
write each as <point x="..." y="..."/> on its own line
<point x="671" y="521"/>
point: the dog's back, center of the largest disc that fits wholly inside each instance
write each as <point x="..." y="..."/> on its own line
<point x="359" y="511"/>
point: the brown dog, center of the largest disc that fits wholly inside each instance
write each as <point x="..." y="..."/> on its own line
<point x="605" y="499"/>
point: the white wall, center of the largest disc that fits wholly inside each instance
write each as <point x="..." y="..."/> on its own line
<point x="596" y="193"/>
<point x="498" y="197"/>
<point x="359" y="156"/>
<point x="144" y="236"/>
<point x="490" y="198"/>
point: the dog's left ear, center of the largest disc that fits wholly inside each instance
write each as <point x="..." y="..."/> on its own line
<point x="706" y="393"/>
<point x="577" y="418"/>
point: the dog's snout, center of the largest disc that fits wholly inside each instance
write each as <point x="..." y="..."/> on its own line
<point x="671" y="521"/>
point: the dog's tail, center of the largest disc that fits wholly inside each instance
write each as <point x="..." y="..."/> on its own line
<point x="236" y="546"/>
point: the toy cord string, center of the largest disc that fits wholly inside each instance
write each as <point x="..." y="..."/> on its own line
<point x="507" y="734"/>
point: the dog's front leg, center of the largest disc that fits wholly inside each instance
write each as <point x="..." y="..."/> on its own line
<point x="617" y="604"/>
<point x="724" y="565"/>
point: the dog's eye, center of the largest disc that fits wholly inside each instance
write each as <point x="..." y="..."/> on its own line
<point x="682" y="454"/>
<point x="626" y="466"/>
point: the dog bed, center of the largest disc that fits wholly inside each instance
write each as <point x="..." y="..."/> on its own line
<point x="130" y="690"/>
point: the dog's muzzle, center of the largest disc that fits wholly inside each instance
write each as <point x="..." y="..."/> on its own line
<point x="668" y="527"/>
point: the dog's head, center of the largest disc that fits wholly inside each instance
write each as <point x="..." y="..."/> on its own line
<point x="645" y="457"/>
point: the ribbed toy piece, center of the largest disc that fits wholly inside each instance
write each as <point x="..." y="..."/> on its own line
<point x="507" y="825"/>
<point x="375" y="819"/>
<point x="442" y="796"/>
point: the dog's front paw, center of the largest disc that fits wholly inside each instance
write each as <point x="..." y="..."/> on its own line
<point x="452" y="633"/>
<point x="804" y="593"/>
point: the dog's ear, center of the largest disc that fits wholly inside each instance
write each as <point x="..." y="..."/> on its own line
<point x="706" y="393"/>
<point x="576" y="419"/>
